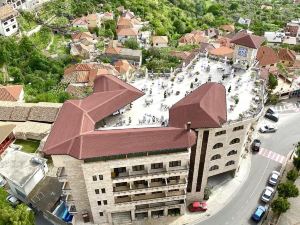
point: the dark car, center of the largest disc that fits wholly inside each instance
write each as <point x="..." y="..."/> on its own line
<point x="271" y="110"/>
<point x="256" y="145"/>
<point x="272" y="116"/>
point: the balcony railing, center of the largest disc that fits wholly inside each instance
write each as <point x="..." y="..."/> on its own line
<point x="157" y="173"/>
<point x="66" y="189"/>
<point x="145" y="199"/>
<point x="153" y="186"/>
<point x="61" y="174"/>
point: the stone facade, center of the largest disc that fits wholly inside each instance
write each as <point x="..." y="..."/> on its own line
<point x="216" y="155"/>
<point x="249" y="57"/>
<point x="97" y="188"/>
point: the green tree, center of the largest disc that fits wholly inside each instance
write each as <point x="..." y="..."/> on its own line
<point x="280" y="205"/>
<point x="179" y="26"/>
<point x="287" y="190"/>
<point x="296" y="162"/>
<point x="273" y="82"/>
<point x="208" y="18"/>
<point x="131" y="43"/>
<point x="292" y="175"/>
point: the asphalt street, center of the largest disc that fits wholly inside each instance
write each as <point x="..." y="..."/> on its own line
<point x="238" y="211"/>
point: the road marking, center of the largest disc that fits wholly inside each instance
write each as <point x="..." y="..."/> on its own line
<point x="272" y="155"/>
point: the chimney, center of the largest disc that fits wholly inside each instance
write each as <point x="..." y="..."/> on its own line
<point x="188" y="126"/>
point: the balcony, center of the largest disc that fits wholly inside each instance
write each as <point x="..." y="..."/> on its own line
<point x="151" y="174"/>
<point x="72" y="209"/>
<point x="66" y="189"/>
<point x="153" y="186"/>
<point x="69" y="200"/>
<point x="151" y="198"/>
<point x="61" y="174"/>
<point x="159" y="205"/>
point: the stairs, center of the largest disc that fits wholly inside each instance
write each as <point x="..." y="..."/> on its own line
<point x="123" y="218"/>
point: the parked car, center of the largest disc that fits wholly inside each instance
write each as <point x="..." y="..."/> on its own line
<point x="274" y="178"/>
<point x="267" y="129"/>
<point x="13" y="200"/>
<point x="256" y="145"/>
<point x="258" y="213"/>
<point x="271" y="111"/>
<point x="197" y="207"/>
<point x="267" y="194"/>
<point x="2" y="182"/>
<point x="272" y="116"/>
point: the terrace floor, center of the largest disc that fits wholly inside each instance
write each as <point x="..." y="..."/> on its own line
<point x="151" y="110"/>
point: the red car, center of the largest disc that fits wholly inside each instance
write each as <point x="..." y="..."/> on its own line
<point x="197" y="207"/>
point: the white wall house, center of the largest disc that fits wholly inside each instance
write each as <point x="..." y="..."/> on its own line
<point x="23" y="172"/>
<point x="24" y="4"/>
<point x="8" y="21"/>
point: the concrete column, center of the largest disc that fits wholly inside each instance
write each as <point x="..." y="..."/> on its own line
<point x="148" y="182"/>
<point x="132" y="215"/>
<point x="165" y="211"/>
<point x="149" y="214"/>
<point x="182" y="210"/>
<point x="109" y="218"/>
<point x="130" y="185"/>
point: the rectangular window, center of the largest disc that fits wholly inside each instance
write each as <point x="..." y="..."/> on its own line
<point x="100" y="177"/>
<point x="105" y="202"/>
<point x="7" y="30"/>
<point x="121" y="184"/>
<point x="138" y="168"/>
<point x="99" y="202"/>
<point x="140" y="194"/>
<point x="175" y="163"/>
<point x="103" y="190"/>
<point x="220" y="132"/>
<point x="97" y="191"/>
<point x="156" y="166"/>
<point x="14" y="26"/>
<point x="100" y="213"/>
<point x="94" y="178"/>
<point x="5" y="23"/>
<point x="238" y="128"/>
<point x="173" y="190"/>
<point x="12" y="20"/>
<point x="157" y="192"/>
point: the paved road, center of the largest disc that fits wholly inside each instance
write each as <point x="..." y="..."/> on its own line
<point x="238" y="211"/>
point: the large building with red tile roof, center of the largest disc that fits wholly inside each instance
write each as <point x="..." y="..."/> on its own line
<point x="194" y="38"/>
<point x="12" y="93"/>
<point x="101" y="152"/>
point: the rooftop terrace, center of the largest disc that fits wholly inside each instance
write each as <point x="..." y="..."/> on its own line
<point x="161" y="92"/>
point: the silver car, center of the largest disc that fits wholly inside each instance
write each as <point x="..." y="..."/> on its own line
<point x="267" y="194"/>
<point x="2" y="182"/>
<point x="274" y="178"/>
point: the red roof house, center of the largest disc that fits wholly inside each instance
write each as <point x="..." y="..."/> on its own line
<point x="12" y="93"/>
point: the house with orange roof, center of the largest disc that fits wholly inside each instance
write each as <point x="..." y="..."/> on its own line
<point x="81" y="23"/>
<point x="160" y="41"/>
<point x="84" y="37"/>
<point x="82" y="50"/>
<point x="222" y="52"/>
<point x="125" y="69"/>
<point x="127" y="33"/>
<point x="287" y="56"/>
<point x="124" y="23"/>
<point x="193" y="38"/>
<point x="12" y="93"/>
<point x="267" y="57"/>
<point x="134" y="57"/>
<point x="228" y="28"/>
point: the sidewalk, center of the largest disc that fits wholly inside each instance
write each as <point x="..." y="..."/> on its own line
<point x="221" y="195"/>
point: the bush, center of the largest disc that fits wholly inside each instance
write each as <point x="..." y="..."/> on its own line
<point x="273" y="99"/>
<point x="207" y="193"/>
<point x="287" y="190"/>
<point x="292" y="175"/>
<point x="296" y="162"/>
<point x="280" y="205"/>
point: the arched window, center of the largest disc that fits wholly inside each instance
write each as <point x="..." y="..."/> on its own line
<point x="215" y="167"/>
<point x="232" y="152"/>
<point x="218" y="145"/>
<point x="218" y="156"/>
<point x="234" y="141"/>
<point x="231" y="162"/>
